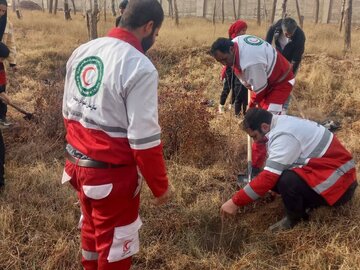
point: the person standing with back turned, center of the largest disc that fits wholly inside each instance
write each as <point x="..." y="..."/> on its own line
<point x="110" y="109"/>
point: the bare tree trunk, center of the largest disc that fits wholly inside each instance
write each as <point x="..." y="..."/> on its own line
<point x="234" y="10"/>
<point x="55" y="6"/>
<point x="18" y="14"/>
<point x="105" y="10"/>
<point x="348" y="18"/>
<point x="317" y="8"/>
<point x="342" y="14"/>
<point x="171" y="13"/>
<point x="51" y="6"/>
<point x="265" y="12"/>
<point x="176" y="13"/>
<point x="222" y="12"/>
<point x="42" y="6"/>
<point x="66" y="10"/>
<point x="239" y="9"/>
<point x="273" y="11"/>
<point x="258" y="12"/>
<point x="113" y="8"/>
<point x="74" y="7"/>
<point x="214" y="13"/>
<point x="330" y="12"/>
<point x="299" y="13"/>
<point x="92" y="20"/>
<point x="204" y="8"/>
<point x="283" y="15"/>
<point x="13" y="5"/>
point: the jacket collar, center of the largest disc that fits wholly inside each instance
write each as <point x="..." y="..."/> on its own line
<point x="124" y="35"/>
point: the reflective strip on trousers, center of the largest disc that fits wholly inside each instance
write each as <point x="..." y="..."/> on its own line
<point x="251" y="193"/>
<point x="334" y="177"/>
<point x="89" y="255"/>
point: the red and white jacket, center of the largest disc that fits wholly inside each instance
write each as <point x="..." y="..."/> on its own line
<point x="308" y="149"/>
<point x="110" y="106"/>
<point x="260" y="67"/>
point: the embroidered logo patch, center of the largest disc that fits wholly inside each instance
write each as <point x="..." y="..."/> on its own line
<point x="252" y="40"/>
<point x="126" y="246"/>
<point x="88" y="75"/>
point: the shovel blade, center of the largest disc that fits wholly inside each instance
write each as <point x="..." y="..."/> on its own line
<point x="242" y="180"/>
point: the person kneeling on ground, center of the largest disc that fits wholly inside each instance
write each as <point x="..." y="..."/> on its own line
<point x="307" y="165"/>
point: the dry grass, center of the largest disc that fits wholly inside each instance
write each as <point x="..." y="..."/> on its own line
<point x="38" y="216"/>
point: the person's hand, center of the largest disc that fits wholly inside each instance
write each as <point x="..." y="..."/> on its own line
<point x="229" y="208"/>
<point x="163" y="198"/>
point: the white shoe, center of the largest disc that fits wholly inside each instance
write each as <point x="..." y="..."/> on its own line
<point x="221" y="109"/>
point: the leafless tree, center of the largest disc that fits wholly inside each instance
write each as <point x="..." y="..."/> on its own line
<point x="299" y="13"/>
<point x="67" y="10"/>
<point x="258" y="12"/>
<point x="284" y="4"/>
<point x="239" y="9"/>
<point x="171" y="13"/>
<point x="51" y="6"/>
<point x="105" y="10"/>
<point x="214" y="13"/>
<point x="222" y="12"/>
<point x="55" y="6"/>
<point x="176" y="13"/>
<point x="234" y="9"/>
<point x="273" y="11"/>
<point x="348" y="18"/>
<point x="342" y="14"/>
<point x="113" y="10"/>
<point x="74" y="7"/>
<point x="317" y="8"/>
<point x="330" y="11"/>
<point x="92" y="19"/>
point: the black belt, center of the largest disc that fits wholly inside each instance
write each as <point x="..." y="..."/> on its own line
<point x="90" y="163"/>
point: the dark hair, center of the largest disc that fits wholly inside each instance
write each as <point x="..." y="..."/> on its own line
<point x="221" y="44"/>
<point x="289" y="24"/>
<point x="140" y="12"/>
<point x="123" y="4"/>
<point x="254" y="117"/>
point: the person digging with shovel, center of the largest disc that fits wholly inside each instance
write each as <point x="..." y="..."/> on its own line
<point x="7" y="38"/>
<point x="307" y="166"/>
<point x="264" y="71"/>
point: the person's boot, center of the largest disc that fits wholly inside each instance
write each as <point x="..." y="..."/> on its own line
<point x="4" y="122"/>
<point x="221" y="109"/>
<point x="282" y="225"/>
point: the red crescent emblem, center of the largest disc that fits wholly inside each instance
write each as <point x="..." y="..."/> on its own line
<point x="126" y="245"/>
<point x="86" y="70"/>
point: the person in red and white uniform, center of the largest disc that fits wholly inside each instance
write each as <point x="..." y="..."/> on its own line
<point x="110" y="110"/>
<point x="262" y="70"/>
<point x="307" y="165"/>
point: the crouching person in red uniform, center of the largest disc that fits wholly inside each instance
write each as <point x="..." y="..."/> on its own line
<point x="110" y="109"/>
<point x="306" y="164"/>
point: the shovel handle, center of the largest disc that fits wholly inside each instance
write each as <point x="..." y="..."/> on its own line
<point x="18" y="108"/>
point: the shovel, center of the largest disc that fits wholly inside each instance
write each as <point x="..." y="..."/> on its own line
<point x="245" y="178"/>
<point x="27" y="115"/>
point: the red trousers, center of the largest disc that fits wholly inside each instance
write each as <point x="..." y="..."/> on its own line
<point x="109" y="202"/>
<point x="272" y="102"/>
